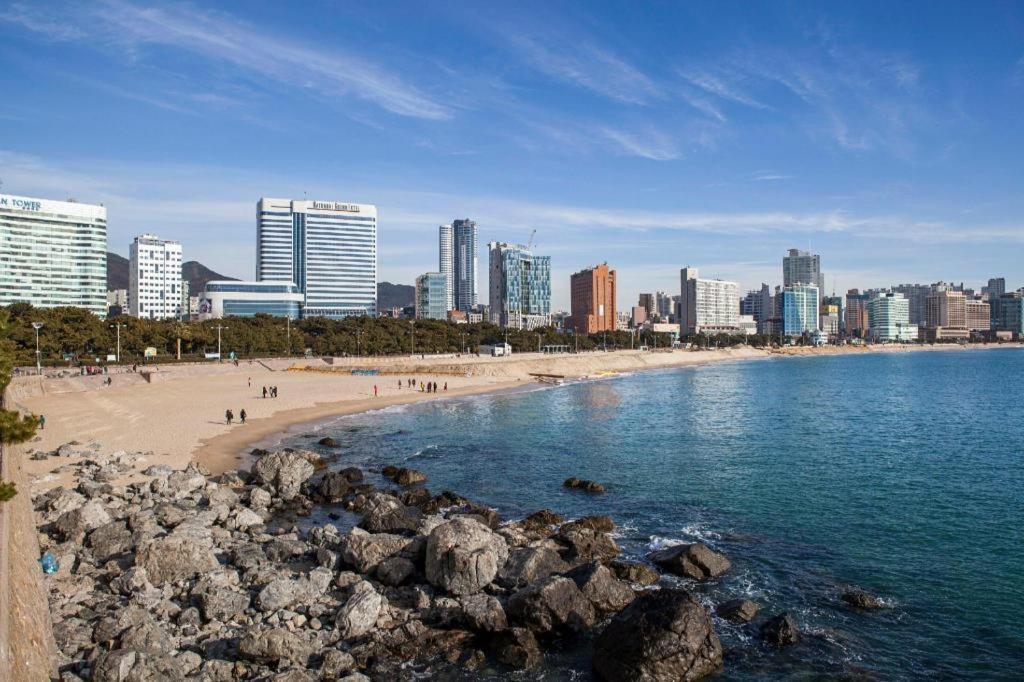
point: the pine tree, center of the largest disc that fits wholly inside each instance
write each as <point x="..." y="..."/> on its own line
<point x="14" y="428"/>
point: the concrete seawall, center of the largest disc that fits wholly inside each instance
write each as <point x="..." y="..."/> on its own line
<point x="27" y="648"/>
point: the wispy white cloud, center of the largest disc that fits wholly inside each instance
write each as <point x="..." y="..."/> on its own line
<point x="584" y="64"/>
<point x="228" y="40"/>
<point x="35" y="20"/>
<point x="768" y="176"/>
<point x="650" y="144"/>
<point x="721" y="89"/>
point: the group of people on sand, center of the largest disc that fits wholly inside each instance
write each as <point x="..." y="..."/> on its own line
<point x="229" y="416"/>
<point x="272" y="392"/>
<point x="428" y="387"/>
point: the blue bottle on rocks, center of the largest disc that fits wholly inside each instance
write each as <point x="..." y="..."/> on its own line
<point x="49" y="563"/>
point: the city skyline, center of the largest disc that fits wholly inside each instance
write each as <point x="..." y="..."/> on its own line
<point x="890" y="153"/>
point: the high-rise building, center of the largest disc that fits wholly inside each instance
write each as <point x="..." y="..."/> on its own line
<point x="464" y="262"/>
<point x="326" y="248"/>
<point x="446" y="263"/>
<point x="592" y="294"/>
<point x="117" y="302"/>
<point x="996" y="287"/>
<point x="799" y="310"/>
<point x="663" y="304"/>
<point x="638" y="316"/>
<point x="855" y="320"/>
<point x="431" y="296"/>
<point x="53" y="253"/>
<point x="945" y="315"/>
<point x="889" y="318"/>
<point x="803" y="267"/>
<point x="1007" y="314"/>
<point x="520" y="287"/>
<point x="916" y="295"/>
<point x="710" y="306"/>
<point x="647" y="303"/>
<point x="154" y="278"/>
<point x="833" y="306"/>
<point x="979" y="315"/>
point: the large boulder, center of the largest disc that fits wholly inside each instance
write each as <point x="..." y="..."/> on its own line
<point x="271" y="646"/>
<point x="126" y="665"/>
<point x="223" y="604"/>
<point x="363" y="551"/>
<point x="284" y="471"/>
<point x="697" y="561"/>
<point x="662" y="636"/>
<point x="862" y="600"/>
<point x="74" y="524"/>
<point x="283" y="592"/>
<point x="334" y="486"/>
<point x="738" y="610"/>
<point x="518" y="648"/>
<point x="110" y="540"/>
<point x="184" y="554"/>
<point x="528" y="564"/>
<point x="640" y="574"/>
<point x="552" y="604"/>
<point x="780" y="630"/>
<point x="464" y="556"/>
<point x="409" y="477"/>
<point x="360" y="612"/>
<point x="484" y="613"/>
<point x="607" y="593"/>
<point x="386" y="514"/>
<point x="586" y="544"/>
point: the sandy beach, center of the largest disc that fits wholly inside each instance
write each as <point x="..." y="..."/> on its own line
<point x="178" y="416"/>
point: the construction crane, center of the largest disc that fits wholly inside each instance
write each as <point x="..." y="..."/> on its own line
<point x="529" y="245"/>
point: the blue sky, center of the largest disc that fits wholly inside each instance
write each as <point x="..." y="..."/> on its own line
<point x="885" y="136"/>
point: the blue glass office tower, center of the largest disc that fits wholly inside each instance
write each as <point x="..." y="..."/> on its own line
<point x="327" y="248"/>
<point x="520" y="287"/>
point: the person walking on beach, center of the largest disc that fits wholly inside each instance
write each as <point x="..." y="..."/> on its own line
<point x="446" y="387"/>
<point x="264" y="392"/>
<point x="42" y="422"/>
<point x="375" y="390"/>
<point x="273" y="391"/>
<point x="399" y="384"/>
<point x="228" y="416"/>
<point x="241" y="415"/>
<point x="250" y="382"/>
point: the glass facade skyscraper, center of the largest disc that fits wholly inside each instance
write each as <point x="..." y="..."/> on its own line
<point x="889" y="317"/>
<point x="53" y="253"/>
<point x="799" y="310"/>
<point x="464" y="263"/>
<point x="446" y="263"/>
<point x="803" y="267"/>
<point x="327" y="249"/>
<point x="520" y="287"/>
<point x="431" y="296"/>
<point x="246" y="299"/>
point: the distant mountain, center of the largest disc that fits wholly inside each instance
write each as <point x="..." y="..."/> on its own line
<point x="198" y="275"/>
<point x="395" y="295"/>
<point x="195" y="272"/>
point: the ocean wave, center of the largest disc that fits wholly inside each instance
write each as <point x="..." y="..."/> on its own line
<point x="428" y="452"/>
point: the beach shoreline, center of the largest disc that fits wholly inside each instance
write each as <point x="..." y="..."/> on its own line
<point x="176" y="416"/>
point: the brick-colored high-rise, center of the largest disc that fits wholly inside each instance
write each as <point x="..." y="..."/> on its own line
<point x="593" y="300"/>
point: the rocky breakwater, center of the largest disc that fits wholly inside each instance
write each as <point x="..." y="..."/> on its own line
<point x="188" y="576"/>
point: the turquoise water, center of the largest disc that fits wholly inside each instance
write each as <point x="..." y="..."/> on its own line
<point x="902" y="474"/>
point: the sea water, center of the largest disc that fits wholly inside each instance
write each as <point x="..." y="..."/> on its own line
<point x="901" y="474"/>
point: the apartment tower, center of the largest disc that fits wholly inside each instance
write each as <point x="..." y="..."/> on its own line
<point x="592" y="294"/>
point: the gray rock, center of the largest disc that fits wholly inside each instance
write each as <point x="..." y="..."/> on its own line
<point x="780" y="630"/>
<point x="386" y="514"/>
<point x="552" y="604"/>
<point x="186" y="481"/>
<point x="695" y="561"/>
<point x="74" y="524"/>
<point x="529" y="564"/>
<point x="184" y="554"/>
<point x="125" y="665"/>
<point x="284" y="472"/>
<point x="360" y="612"/>
<point x="363" y="551"/>
<point x="463" y="556"/>
<point x="110" y="540"/>
<point x="147" y="637"/>
<point x="259" y="498"/>
<point x="597" y="583"/>
<point x="586" y="544"/>
<point x="518" y="648"/>
<point x="223" y="604"/>
<point x="484" y="613"/>
<point x="862" y="600"/>
<point x="409" y="477"/>
<point x="395" y="570"/>
<point x="285" y="592"/>
<point x="334" y="486"/>
<point x="335" y="665"/>
<point x="246" y="518"/>
<point x="738" y="610"/>
<point x="271" y="646"/>
<point x="637" y="573"/>
<point x="662" y="636"/>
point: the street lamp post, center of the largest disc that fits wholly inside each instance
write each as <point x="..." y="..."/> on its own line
<point x="118" y="325"/>
<point x="412" y="337"/>
<point x="359" y="342"/>
<point x="39" y="365"/>
<point x="219" y="328"/>
<point x="288" y="333"/>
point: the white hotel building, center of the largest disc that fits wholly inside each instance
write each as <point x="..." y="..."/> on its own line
<point x="328" y="249"/>
<point x="709" y="306"/>
<point x="154" y="278"/>
<point x="53" y="253"/>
